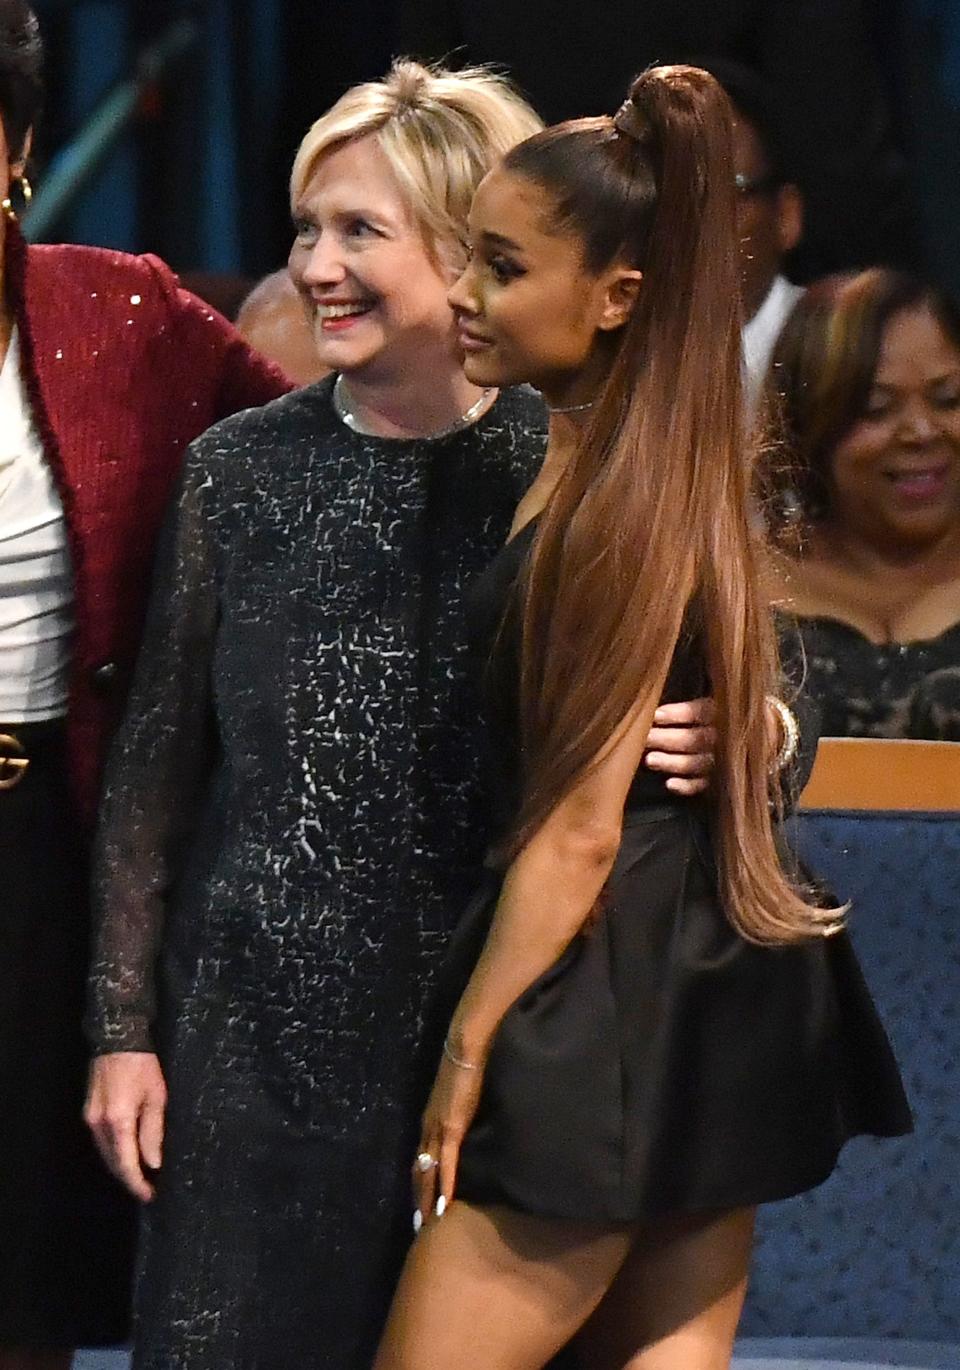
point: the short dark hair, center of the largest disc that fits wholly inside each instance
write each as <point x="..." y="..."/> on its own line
<point x="21" y="65"/>
<point x="754" y="99"/>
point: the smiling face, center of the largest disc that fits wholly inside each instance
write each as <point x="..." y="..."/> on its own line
<point x="896" y="474"/>
<point x="375" y="298"/>
<point x="527" y="308"/>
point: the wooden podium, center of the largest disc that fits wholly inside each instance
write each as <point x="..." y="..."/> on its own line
<point x="883" y="773"/>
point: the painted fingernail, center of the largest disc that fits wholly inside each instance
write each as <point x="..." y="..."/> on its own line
<point x="417" y="1222"/>
<point x="441" y="1207"/>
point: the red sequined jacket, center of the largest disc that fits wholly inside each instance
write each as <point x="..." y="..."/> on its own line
<point x="122" y="369"/>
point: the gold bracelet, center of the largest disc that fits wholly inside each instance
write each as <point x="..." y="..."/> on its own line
<point x="791" y="733"/>
<point x="456" y="1060"/>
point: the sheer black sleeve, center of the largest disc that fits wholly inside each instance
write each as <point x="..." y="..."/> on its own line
<point x="157" y="770"/>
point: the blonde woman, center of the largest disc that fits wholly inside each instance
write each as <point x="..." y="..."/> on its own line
<point x="292" y="815"/>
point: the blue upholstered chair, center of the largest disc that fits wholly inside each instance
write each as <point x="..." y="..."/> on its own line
<point x="827" y="1353"/>
<point x="871" y="1259"/>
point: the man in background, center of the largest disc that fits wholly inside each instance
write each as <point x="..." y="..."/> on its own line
<point x="272" y="320"/>
<point x="770" y="215"/>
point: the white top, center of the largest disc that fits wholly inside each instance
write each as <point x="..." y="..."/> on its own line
<point x="760" y="336"/>
<point x="36" y="581"/>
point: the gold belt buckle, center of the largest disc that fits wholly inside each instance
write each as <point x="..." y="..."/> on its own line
<point x="13" y="761"/>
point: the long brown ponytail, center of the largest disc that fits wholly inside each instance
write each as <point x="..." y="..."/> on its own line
<point x="653" y="508"/>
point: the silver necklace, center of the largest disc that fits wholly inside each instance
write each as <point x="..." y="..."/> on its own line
<point x="346" y="414"/>
<point x="570" y="408"/>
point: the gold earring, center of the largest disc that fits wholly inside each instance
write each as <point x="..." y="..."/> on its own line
<point x="26" y="192"/>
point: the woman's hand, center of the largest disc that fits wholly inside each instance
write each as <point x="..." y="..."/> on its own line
<point x="125" y="1109"/>
<point x="681" y="745"/>
<point x="446" y="1119"/>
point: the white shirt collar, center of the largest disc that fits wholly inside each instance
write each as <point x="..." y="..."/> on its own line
<point x="761" y="333"/>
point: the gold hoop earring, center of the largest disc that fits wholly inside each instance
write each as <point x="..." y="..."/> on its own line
<point x="26" y="194"/>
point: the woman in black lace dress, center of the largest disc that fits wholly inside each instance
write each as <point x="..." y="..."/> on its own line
<point x="867" y="374"/>
<point x="292" y="815"/>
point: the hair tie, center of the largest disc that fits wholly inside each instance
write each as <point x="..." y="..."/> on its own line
<point x="631" y="121"/>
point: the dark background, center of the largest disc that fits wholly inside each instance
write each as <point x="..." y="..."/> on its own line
<point x="869" y="93"/>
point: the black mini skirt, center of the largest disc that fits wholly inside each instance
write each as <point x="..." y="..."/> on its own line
<point x="664" y="1064"/>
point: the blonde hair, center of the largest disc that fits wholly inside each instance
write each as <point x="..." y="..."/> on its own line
<point x="441" y="131"/>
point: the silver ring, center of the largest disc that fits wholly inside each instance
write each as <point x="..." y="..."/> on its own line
<point x="426" y="1162"/>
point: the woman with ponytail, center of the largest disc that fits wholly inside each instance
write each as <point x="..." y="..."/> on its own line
<point x="650" y="1028"/>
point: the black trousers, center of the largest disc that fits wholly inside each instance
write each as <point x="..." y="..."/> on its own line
<point x="67" y="1229"/>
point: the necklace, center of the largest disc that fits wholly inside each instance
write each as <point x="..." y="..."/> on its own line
<point x="347" y="416"/>
<point x="570" y="408"/>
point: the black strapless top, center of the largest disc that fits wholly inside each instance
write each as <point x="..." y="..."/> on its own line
<point x="869" y="689"/>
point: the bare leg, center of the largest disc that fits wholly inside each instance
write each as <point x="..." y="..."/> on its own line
<point x="492" y="1289"/>
<point x="676" y="1301"/>
<point x="24" y="1359"/>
